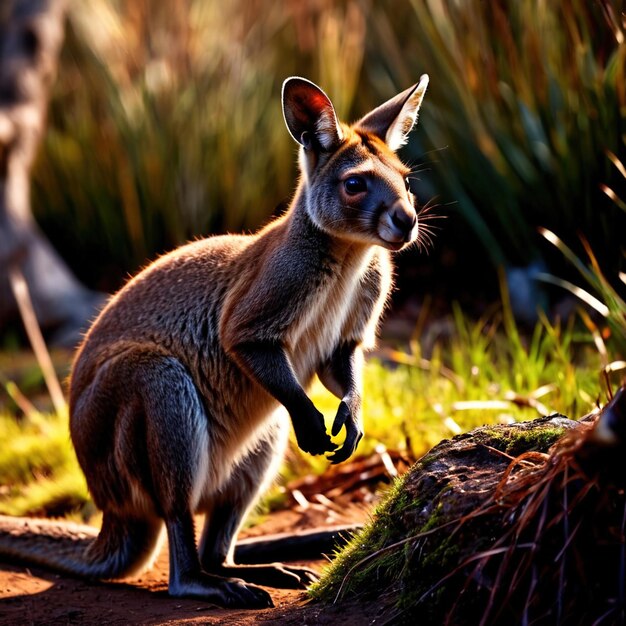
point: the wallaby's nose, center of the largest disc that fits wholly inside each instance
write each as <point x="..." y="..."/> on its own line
<point x="403" y="217"/>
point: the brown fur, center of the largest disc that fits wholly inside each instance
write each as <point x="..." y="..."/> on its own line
<point x="181" y="391"/>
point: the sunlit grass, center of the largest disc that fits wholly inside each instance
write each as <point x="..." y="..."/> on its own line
<point x="39" y="473"/>
<point x="481" y="376"/>
<point x="486" y="372"/>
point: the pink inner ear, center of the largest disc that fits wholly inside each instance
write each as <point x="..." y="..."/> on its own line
<point x="310" y="103"/>
<point x="318" y="102"/>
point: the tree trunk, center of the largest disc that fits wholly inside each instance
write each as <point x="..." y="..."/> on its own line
<point x="31" y="34"/>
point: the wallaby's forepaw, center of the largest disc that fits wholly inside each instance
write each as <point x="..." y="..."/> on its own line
<point x="354" y="433"/>
<point x="226" y="592"/>
<point x="321" y="445"/>
<point x="311" y="432"/>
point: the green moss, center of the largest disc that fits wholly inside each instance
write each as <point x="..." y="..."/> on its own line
<point x="382" y="530"/>
<point x="515" y="442"/>
<point x="367" y="562"/>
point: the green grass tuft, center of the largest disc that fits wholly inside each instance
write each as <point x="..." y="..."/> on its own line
<point x="39" y="473"/>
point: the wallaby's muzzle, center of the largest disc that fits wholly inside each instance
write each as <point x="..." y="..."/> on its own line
<point x="398" y="224"/>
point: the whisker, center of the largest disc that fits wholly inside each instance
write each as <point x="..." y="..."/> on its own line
<point x="412" y="163"/>
<point x="435" y="150"/>
<point x="430" y="202"/>
<point x="427" y="218"/>
<point x="425" y="245"/>
<point x="429" y="229"/>
<point x="420" y="159"/>
<point x="419" y="171"/>
<point x="429" y="206"/>
<point x="427" y="211"/>
<point x="426" y="240"/>
<point x="422" y="245"/>
<point x="427" y="234"/>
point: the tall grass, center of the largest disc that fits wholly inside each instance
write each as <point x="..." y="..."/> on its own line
<point x="166" y="120"/>
<point x="526" y="98"/>
<point x="608" y="292"/>
<point x="166" y="123"/>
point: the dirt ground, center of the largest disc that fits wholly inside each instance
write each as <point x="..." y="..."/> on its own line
<point x="36" y="596"/>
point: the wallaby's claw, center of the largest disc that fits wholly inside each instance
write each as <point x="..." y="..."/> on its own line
<point x="343" y="414"/>
<point x="305" y="575"/>
<point x="354" y="433"/>
<point x="293" y="577"/>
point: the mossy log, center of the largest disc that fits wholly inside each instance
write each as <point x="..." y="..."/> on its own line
<point x="508" y="524"/>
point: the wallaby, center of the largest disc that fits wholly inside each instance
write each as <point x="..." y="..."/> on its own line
<point x="179" y="390"/>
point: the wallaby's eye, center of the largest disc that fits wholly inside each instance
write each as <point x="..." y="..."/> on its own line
<point x="354" y="185"/>
<point x="407" y="182"/>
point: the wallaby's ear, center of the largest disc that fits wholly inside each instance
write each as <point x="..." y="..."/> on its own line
<point x="310" y="115"/>
<point x="393" y="120"/>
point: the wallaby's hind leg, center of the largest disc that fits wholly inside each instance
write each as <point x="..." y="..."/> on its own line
<point x="228" y="512"/>
<point x="176" y="432"/>
<point x="188" y="580"/>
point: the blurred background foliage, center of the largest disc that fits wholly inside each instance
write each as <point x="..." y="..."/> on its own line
<point x="165" y="124"/>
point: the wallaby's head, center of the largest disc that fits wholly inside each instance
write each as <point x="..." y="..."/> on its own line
<point x="356" y="187"/>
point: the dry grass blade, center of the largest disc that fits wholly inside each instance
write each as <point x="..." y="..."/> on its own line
<point x="24" y="404"/>
<point x="580" y="293"/>
<point x="613" y="196"/>
<point x="597" y="337"/>
<point x="20" y="291"/>
<point x="618" y="164"/>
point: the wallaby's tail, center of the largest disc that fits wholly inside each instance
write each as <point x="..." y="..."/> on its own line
<point x="122" y="548"/>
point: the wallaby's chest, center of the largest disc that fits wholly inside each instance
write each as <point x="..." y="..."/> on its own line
<point x="328" y="311"/>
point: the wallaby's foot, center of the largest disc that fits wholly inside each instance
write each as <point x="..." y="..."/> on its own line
<point x="226" y="592"/>
<point x="271" y="575"/>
